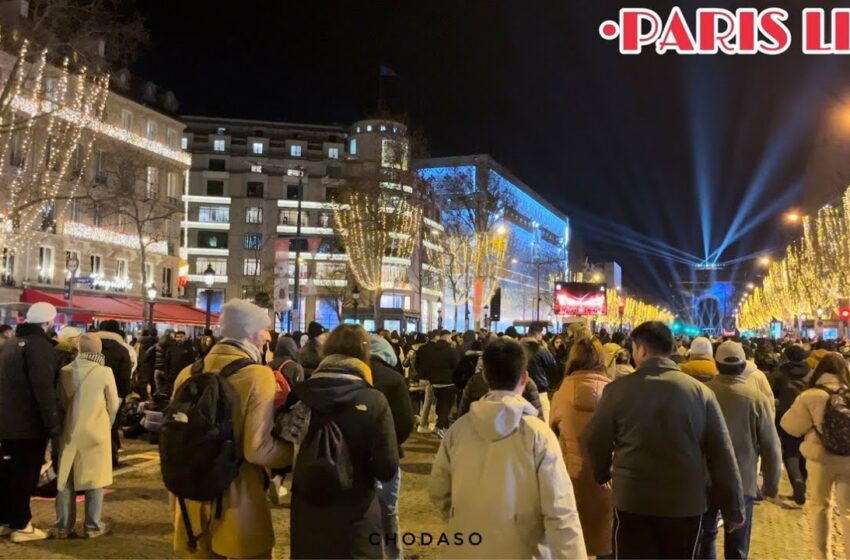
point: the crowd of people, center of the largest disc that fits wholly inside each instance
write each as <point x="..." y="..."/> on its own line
<point x="561" y="445"/>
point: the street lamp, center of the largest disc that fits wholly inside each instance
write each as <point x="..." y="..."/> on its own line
<point x="151" y="297"/>
<point x="764" y="261"/>
<point x="73" y="265"/>
<point x="355" y="295"/>
<point x="793" y="217"/>
<point x="486" y="316"/>
<point x="209" y="280"/>
<point x="440" y="313"/>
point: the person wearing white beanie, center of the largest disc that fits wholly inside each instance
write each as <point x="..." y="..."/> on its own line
<point x="29" y="415"/>
<point x="700" y="364"/>
<point x="245" y="528"/>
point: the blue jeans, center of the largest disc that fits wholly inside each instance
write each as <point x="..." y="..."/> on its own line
<point x="735" y="545"/>
<point x="66" y="508"/>
<point x="388" y="499"/>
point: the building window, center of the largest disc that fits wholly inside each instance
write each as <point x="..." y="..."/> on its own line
<point x="150" y="129"/>
<point x="256" y="168"/>
<point x="295" y="150"/>
<point x="96" y="262"/>
<point x="352" y="147"/>
<point x="295" y="172"/>
<point x="212" y="239"/>
<point x="171" y="137"/>
<point x="25" y="8"/>
<point x="173" y="186"/>
<point x="333" y="153"/>
<point x="221" y="130"/>
<point x="214" y="214"/>
<point x="166" y="282"/>
<point x="148" y="273"/>
<point x="290" y="218"/>
<point x="217" y="165"/>
<point x="218" y="145"/>
<point x="254" y="215"/>
<point x="45" y="265"/>
<point x="218" y="265"/>
<point x="127" y="119"/>
<point x="258" y="148"/>
<point x="251" y="267"/>
<point x="121" y="269"/>
<point x="368" y="128"/>
<point x="383" y="128"/>
<point x="184" y="143"/>
<point x="153" y="183"/>
<point x="7" y="264"/>
<point x="215" y="188"/>
<point x="253" y="241"/>
<point x="76" y="255"/>
<point x="292" y="192"/>
<point x="254" y="190"/>
<point x="393" y="154"/>
<point x="331" y="194"/>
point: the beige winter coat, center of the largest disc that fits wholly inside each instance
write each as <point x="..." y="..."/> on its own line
<point x="90" y="399"/>
<point x="806" y="415"/>
<point x="245" y="529"/>
<point x="500" y="473"/>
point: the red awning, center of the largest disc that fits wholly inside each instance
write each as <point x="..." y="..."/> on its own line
<point x="102" y="307"/>
<point x="180" y="314"/>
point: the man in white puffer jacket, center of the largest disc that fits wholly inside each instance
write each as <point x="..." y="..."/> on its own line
<point x="499" y="477"/>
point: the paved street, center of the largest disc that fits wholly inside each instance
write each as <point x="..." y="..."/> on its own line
<point x="139" y="507"/>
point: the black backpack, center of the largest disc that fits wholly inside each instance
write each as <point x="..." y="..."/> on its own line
<point x="199" y="457"/>
<point x="835" y="431"/>
<point x="323" y="469"/>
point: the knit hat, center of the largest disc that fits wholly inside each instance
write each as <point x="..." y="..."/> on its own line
<point x="241" y="319"/>
<point x="69" y="333"/>
<point x="730" y="353"/>
<point x="90" y="342"/>
<point x="382" y="349"/>
<point x="314" y="329"/>
<point x="41" y="312"/>
<point x="511" y="332"/>
<point x="701" y="346"/>
<point x="796" y="353"/>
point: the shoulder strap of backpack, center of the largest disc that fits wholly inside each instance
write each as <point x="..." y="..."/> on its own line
<point x="198" y="367"/>
<point x="825" y="389"/>
<point x="235" y="366"/>
<point x="283" y="365"/>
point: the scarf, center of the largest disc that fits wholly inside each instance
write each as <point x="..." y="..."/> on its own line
<point x="340" y="365"/>
<point x="252" y="351"/>
<point x="95" y="357"/>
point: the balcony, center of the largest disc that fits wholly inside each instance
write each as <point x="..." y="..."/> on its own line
<point x="213" y="226"/>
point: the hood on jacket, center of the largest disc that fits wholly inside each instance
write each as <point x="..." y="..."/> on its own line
<point x="498" y="414"/>
<point x="286" y="348"/>
<point x="106" y="335"/>
<point x="795" y="370"/>
<point x="586" y="387"/>
<point x="656" y="366"/>
<point x="830" y="381"/>
<point x="336" y="381"/>
<point x="531" y="342"/>
<point x="749" y="369"/>
<point x="382" y="349"/>
<point x="31" y="329"/>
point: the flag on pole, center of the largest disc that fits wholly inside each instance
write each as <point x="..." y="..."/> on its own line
<point x="387" y="72"/>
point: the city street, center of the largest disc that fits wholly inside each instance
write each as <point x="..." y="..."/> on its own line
<point x="139" y="507"/>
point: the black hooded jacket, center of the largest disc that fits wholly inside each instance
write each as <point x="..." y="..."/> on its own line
<point x="28" y="370"/>
<point x="792" y="378"/>
<point x="337" y="388"/>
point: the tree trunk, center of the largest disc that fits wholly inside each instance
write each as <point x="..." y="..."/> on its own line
<point x="377" y="309"/>
<point x="143" y="256"/>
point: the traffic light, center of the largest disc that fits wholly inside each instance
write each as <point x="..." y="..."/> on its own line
<point x="845" y="314"/>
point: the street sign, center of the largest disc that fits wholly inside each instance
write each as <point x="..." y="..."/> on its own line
<point x="82" y="280"/>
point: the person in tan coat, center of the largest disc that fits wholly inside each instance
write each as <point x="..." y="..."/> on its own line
<point x="700" y="365"/>
<point x="245" y="528"/>
<point x="572" y="407"/>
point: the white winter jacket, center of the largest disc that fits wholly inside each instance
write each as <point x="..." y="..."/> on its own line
<point x="500" y="473"/>
<point x="806" y="415"/>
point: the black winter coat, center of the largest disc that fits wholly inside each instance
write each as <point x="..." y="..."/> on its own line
<point x="362" y="413"/>
<point x="145" y="368"/>
<point x="541" y="363"/>
<point x="28" y="369"/>
<point x="309" y="356"/>
<point x="391" y="383"/>
<point x="477" y="387"/>
<point x="117" y="357"/>
<point x="466" y="368"/>
<point x="436" y="362"/>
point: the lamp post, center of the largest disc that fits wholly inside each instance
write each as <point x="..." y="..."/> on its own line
<point x="355" y="295"/>
<point x="209" y="279"/>
<point x="440" y="313"/>
<point x="296" y="295"/>
<point x="73" y="265"/>
<point x="151" y="297"/>
<point x="487" y="317"/>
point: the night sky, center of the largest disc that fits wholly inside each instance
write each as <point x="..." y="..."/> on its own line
<point x="624" y="145"/>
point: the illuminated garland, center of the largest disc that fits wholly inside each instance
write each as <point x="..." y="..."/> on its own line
<point x="635" y="311"/>
<point x="83" y="231"/>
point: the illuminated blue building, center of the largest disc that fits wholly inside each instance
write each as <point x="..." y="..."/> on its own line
<point x="538" y="241"/>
